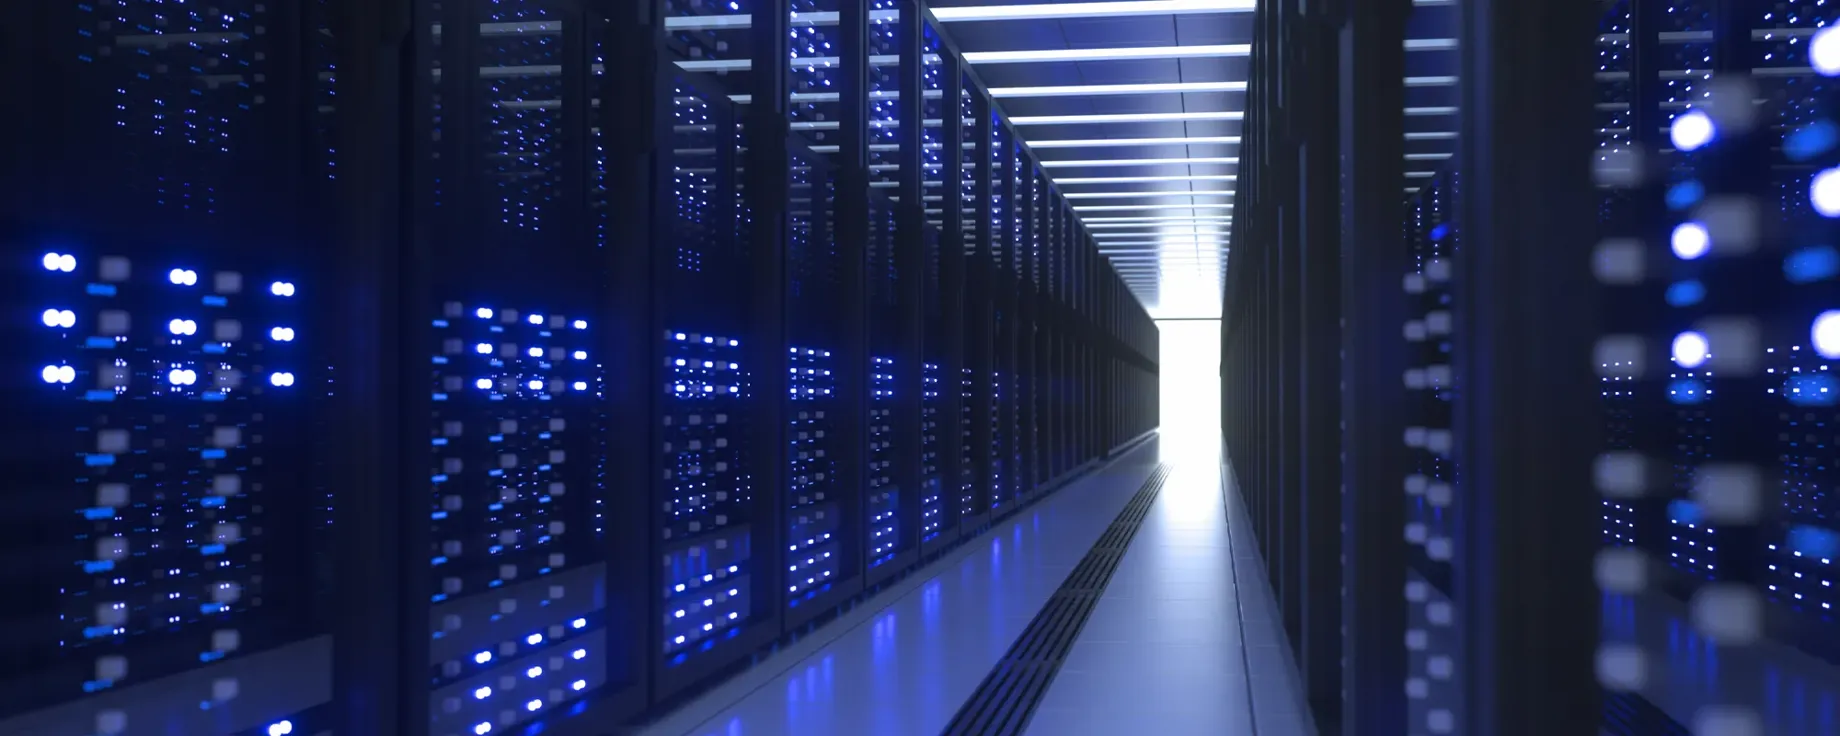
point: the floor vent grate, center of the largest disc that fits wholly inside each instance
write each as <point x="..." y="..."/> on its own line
<point x="1627" y="714"/>
<point x="1009" y="695"/>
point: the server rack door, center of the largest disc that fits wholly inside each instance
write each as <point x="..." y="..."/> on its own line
<point x="1003" y="228"/>
<point x="934" y="333"/>
<point x="1028" y="241"/>
<point x="949" y="381"/>
<point x="723" y="399"/>
<point x="170" y="534"/>
<point x="515" y="426"/>
<point x="825" y="249"/>
<point x="1718" y="391"/>
<point x="981" y="316"/>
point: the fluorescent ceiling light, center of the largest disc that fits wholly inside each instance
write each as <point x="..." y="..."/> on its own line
<point x="1170" y="234"/>
<point x="1132" y="195"/>
<point x="1141" y="162"/>
<point x="1431" y="81"/>
<point x="1426" y="111"/>
<point x="1132" y="117"/>
<point x="1173" y="229"/>
<point x="1122" y="8"/>
<point x="1427" y="156"/>
<point x="1141" y="179"/>
<point x="981" y="13"/>
<point x="1120" y="142"/>
<point x="1180" y="246"/>
<point x="1094" y="90"/>
<point x="1161" y="218"/>
<point x="1431" y="44"/>
<point x="1034" y="56"/>
<point x="1436" y="135"/>
<point x="1143" y="207"/>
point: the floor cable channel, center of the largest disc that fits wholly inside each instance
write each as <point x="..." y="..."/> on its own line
<point x="1007" y="698"/>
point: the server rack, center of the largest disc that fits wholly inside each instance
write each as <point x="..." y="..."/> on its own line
<point x="521" y="357"/>
<point x="1701" y="319"/>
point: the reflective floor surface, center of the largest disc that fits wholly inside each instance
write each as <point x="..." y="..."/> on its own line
<point x="1166" y="652"/>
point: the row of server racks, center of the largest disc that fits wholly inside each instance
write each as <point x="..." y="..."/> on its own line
<point x="1530" y="315"/>
<point x="448" y="367"/>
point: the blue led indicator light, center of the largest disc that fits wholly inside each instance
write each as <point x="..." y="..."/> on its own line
<point x="1685" y="194"/>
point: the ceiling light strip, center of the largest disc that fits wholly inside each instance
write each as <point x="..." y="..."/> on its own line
<point x="1145" y="194"/>
<point x="1142" y="179"/>
<point x="1099" y="90"/>
<point x="1117" y="9"/>
<point x="1151" y="207"/>
<point x="1037" y="56"/>
<point x="1124" y="142"/>
<point x="1197" y="161"/>
<point x="1161" y="218"/>
<point x="1130" y="117"/>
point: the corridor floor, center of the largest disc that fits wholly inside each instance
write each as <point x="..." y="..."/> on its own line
<point x="1176" y="646"/>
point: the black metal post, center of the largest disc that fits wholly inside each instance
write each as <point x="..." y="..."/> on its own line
<point x="1528" y="514"/>
<point x="766" y="187"/>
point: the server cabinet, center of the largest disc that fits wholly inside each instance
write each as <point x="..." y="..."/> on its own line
<point x="171" y="300"/>
<point x="936" y="333"/>
<point x="510" y="285"/>
<point x="1002" y="364"/>
<point x="826" y="251"/>
<point x="719" y="342"/>
<point x="982" y="311"/>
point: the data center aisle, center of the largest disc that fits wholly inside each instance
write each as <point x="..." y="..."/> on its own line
<point x="904" y="668"/>
<point x="1181" y="643"/>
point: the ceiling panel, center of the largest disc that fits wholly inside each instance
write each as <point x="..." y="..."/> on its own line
<point x="1165" y="222"/>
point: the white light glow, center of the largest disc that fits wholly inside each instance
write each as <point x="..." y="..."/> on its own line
<point x="1124" y="142"/>
<point x="1692" y="130"/>
<point x="1119" y="54"/>
<point x="1824" y="193"/>
<point x="1180" y="222"/>
<point x="182" y="277"/>
<point x="1825" y="334"/>
<point x="1150" y="207"/>
<point x="1690" y="240"/>
<point x="1142" y="179"/>
<point x="1824" y="52"/>
<point x="1691" y="349"/>
<point x="1118" y="9"/>
<point x="60" y="262"/>
<point x="1132" y="117"/>
<point x="1127" y="195"/>
<point x="1197" y="161"/>
<point x="59" y="318"/>
<point x="1097" y="90"/>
